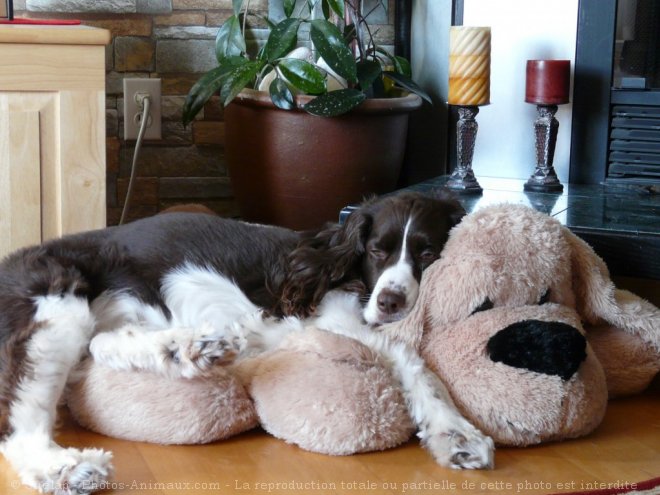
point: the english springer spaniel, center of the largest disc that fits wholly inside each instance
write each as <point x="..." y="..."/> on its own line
<point x="191" y="278"/>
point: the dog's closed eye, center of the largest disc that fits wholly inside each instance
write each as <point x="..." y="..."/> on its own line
<point x="484" y="306"/>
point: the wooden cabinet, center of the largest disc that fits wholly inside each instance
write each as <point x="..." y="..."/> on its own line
<point x="52" y="132"/>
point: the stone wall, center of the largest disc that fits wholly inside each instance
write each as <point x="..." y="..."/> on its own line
<point x="173" y="40"/>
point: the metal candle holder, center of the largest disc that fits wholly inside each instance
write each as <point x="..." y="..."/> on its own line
<point x="544" y="178"/>
<point x="547" y="84"/>
<point x="462" y="179"/>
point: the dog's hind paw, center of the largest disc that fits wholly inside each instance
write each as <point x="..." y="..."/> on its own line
<point x="462" y="450"/>
<point x="72" y="472"/>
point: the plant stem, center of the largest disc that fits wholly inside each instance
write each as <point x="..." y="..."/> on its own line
<point x="245" y="15"/>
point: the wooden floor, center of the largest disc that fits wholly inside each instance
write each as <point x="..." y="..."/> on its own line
<point x="624" y="449"/>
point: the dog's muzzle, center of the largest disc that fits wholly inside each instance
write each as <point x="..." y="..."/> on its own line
<point x="552" y="348"/>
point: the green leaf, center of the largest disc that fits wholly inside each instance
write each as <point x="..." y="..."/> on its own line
<point x="282" y="39"/>
<point x="237" y="80"/>
<point x="408" y="84"/>
<point x="280" y="94"/>
<point x="229" y="42"/>
<point x="303" y="75"/>
<point x="289" y="5"/>
<point x="335" y="102"/>
<point x="330" y="45"/>
<point x="237" y="4"/>
<point x="402" y="66"/>
<point x="337" y="6"/>
<point x="368" y="71"/>
<point x="207" y="86"/>
<point x="325" y="9"/>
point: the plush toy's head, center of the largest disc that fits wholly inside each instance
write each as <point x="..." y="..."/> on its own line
<point x="500" y="319"/>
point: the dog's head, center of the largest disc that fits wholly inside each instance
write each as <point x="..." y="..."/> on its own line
<point x="384" y="246"/>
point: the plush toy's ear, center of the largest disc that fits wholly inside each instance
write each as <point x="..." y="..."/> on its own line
<point x="598" y="300"/>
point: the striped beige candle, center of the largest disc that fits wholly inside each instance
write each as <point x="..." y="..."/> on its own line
<point x="469" y="65"/>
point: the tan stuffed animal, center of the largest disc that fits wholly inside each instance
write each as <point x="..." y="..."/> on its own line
<point x="500" y="319"/>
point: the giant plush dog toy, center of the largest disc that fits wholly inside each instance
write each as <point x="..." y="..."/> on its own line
<point x="519" y="318"/>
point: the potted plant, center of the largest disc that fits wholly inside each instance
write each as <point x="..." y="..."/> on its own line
<point x="288" y="165"/>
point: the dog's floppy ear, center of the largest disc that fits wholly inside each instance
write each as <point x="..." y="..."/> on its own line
<point x="597" y="299"/>
<point x="324" y="260"/>
<point x="455" y="210"/>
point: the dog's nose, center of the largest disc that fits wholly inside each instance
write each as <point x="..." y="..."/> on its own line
<point x="552" y="348"/>
<point x="391" y="302"/>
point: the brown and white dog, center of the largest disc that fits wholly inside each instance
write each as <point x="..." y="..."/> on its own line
<point x="179" y="282"/>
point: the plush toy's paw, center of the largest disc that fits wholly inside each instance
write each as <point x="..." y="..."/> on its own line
<point x="468" y="449"/>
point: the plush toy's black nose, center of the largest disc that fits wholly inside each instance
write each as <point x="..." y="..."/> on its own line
<point x="546" y="347"/>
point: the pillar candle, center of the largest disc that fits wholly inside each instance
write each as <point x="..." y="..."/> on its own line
<point x="548" y="82"/>
<point x="469" y="65"/>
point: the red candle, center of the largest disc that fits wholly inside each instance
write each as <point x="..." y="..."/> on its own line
<point x="548" y="81"/>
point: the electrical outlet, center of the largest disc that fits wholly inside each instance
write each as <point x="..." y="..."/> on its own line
<point x="133" y="90"/>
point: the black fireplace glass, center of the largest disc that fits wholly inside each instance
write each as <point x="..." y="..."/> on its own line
<point x="637" y="45"/>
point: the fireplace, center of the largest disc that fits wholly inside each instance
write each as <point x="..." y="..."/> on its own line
<point x="616" y="116"/>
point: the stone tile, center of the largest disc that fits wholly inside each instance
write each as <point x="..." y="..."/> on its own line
<point x="112" y="147"/>
<point x="148" y="164"/>
<point x="111" y="102"/>
<point x="175" y="161"/>
<point x="177" y="84"/>
<point x="383" y="34"/>
<point x="111" y="6"/>
<point x="134" y="54"/>
<point x="185" y="56"/>
<point x="172" y="107"/>
<point x="195" y="187"/>
<point x="185" y="32"/>
<point x="173" y="133"/>
<point x="114" y="81"/>
<point x="181" y="19"/>
<point x="111" y="190"/>
<point x="379" y="11"/>
<point x="153" y="6"/>
<point x="111" y="123"/>
<point x="110" y="56"/>
<point x="145" y="191"/>
<point x="218" y="18"/>
<point x="132" y="25"/>
<point x="135" y="212"/>
<point x="209" y="132"/>
<point x="204" y="4"/>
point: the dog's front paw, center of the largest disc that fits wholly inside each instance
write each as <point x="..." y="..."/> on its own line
<point x="467" y="449"/>
<point x="206" y="352"/>
<point x="205" y="349"/>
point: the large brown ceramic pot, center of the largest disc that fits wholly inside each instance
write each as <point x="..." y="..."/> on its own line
<point x="296" y="170"/>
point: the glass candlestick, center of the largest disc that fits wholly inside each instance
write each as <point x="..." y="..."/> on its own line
<point x="547" y="85"/>
<point x="463" y="179"/>
<point x="544" y="178"/>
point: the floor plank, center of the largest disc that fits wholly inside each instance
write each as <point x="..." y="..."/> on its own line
<point x="624" y="449"/>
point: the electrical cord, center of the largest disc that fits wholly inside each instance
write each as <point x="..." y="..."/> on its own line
<point x="145" y="102"/>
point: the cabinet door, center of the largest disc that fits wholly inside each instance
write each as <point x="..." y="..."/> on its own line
<point x="52" y="165"/>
